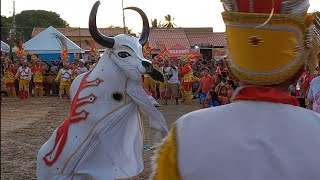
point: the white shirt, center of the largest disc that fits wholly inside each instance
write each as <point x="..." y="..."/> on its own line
<point x="25" y="73"/>
<point x="249" y="140"/>
<point x="174" y="72"/>
<point x="66" y="75"/>
<point x="314" y="94"/>
<point x="81" y="70"/>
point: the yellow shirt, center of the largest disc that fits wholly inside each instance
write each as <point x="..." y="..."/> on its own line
<point x="9" y="77"/>
<point x="64" y="76"/>
<point x="188" y="77"/>
<point x="37" y="77"/>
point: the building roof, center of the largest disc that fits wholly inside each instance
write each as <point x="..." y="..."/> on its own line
<point x="210" y="38"/>
<point x="169" y="36"/>
<point x="187" y="37"/>
<point x="84" y="32"/>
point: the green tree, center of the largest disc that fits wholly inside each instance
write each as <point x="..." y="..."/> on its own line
<point x="168" y="22"/>
<point x="5" y="28"/>
<point x="27" y="20"/>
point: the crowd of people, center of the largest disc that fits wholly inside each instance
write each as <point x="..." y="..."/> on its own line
<point x="209" y="81"/>
<point x="38" y="78"/>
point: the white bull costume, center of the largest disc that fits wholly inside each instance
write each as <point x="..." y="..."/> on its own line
<point x="102" y="138"/>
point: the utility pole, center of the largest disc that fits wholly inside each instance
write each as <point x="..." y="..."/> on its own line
<point x="13" y="30"/>
<point x="80" y="37"/>
<point x="124" y="21"/>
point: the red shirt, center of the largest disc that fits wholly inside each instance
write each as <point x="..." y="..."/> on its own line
<point x="37" y="69"/>
<point x="12" y="70"/>
<point x="206" y="83"/>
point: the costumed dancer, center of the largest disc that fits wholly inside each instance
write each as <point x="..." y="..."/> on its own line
<point x="163" y="56"/>
<point x="263" y="133"/>
<point x="102" y="136"/>
<point x="148" y="82"/>
<point x="64" y="76"/>
<point x="9" y="80"/>
<point x="24" y="76"/>
<point x="186" y="74"/>
<point x="37" y="72"/>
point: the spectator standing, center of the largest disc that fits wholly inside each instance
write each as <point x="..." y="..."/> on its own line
<point x="81" y="68"/>
<point x="172" y="89"/>
<point x="206" y="83"/>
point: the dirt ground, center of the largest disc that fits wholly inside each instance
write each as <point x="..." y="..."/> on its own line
<point x="27" y="124"/>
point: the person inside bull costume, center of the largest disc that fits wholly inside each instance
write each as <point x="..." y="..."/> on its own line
<point x="102" y="137"/>
<point x="263" y="133"/>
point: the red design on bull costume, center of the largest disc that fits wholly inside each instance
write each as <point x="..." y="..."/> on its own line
<point x="74" y="116"/>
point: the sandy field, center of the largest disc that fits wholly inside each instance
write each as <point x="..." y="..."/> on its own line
<point x="27" y="124"/>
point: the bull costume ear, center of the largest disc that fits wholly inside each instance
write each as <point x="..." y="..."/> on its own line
<point x="108" y="41"/>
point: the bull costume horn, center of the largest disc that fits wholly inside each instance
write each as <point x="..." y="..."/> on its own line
<point x="94" y="31"/>
<point x="145" y="29"/>
<point x="109" y="42"/>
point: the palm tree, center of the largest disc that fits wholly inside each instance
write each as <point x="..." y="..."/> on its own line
<point x="154" y="23"/>
<point x="168" y="22"/>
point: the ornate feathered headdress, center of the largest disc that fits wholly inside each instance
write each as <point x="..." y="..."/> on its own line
<point x="64" y="47"/>
<point x="21" y="52"/>
<point x="187" y="58"/>
<point x="147" y="50"/>
<point x="164" y="53"/>
<point x="93" y="48"/>
<point x="268" y="41"/>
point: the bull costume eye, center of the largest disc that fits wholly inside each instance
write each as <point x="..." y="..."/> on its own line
<point x="123" y="54"/>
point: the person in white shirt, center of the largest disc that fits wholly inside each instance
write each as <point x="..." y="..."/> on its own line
<point x="81" y="68"/>
<point x="24" y="76"/>
<point x="172" y="89"/>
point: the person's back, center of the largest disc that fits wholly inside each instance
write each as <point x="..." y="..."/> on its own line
<point x="263" y="134"/>
<point x="282" y="144"/>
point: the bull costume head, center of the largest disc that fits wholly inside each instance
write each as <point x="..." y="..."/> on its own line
<point x="124" y="50"/>
<point x="102" y="137"/>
